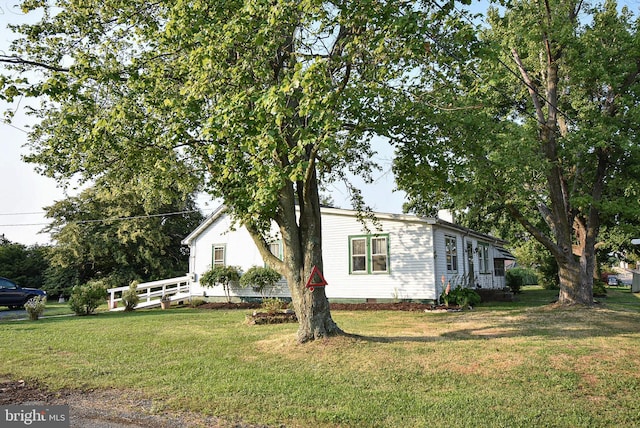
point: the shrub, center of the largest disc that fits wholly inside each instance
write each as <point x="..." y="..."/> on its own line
<point x="86" y="298"/>
<point x="272" y="306"/>
<point x="460" y="296"/>
<point x="224" y="275"/>
<point x="515" y="280"/>
<point x="130" y="297"/>
<point x="599" y="289"/>
<point x="260" y="279"/>
<point x="35" y="307"/>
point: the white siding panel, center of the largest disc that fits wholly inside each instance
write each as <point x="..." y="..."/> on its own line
<point x="411" y="260"/>
<point x="240" y="250"/>
<point x="417" y="257"/>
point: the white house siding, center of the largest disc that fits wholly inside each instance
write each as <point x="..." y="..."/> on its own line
<point x="240" y="250"/>
<point x="417" y="256"/>
<point x="462" y="274"/>
<point x="411" y="274"/>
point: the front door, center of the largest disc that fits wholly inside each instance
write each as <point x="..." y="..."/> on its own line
<point x="472" y="273"/>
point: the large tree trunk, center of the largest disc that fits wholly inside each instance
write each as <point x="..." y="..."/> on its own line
<point x="577" y="271"/>
<point x="302" y="239"/>
<point x="312" y="307"/>
<point x="300" y="225"/>
<point x="576" y="283"/>
<point x="312" y="310"/>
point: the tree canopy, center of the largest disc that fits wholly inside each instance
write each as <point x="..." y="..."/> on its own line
<point x="540" y="121"/>
<point x="258" y="103"/>
<point x="23" y="265"/>
<point x="117" y="235"/>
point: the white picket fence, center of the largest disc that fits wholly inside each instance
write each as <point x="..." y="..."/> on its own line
<point x="150" y="293"/>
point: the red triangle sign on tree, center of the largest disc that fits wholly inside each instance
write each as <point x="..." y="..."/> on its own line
<point x="316" y="279"/>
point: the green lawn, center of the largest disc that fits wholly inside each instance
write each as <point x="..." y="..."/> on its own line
<point x="516" y="364"/>
<point x="51" y="310"/>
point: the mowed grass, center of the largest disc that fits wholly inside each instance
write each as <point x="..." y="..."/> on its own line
<point x="52" y="309"/>
<point x="514" y="365"/>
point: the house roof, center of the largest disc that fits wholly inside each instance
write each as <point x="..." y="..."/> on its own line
<point x="504" y="254"/>
<point x="218" y="212"/>
<point x="204" y="225"/>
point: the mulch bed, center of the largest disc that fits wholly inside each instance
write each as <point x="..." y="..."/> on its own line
<point x="397" y="306"/>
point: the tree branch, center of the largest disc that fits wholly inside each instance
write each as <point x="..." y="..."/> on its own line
<point x="530" y="86"/>
<point x="264" y="250"/>
<point x="534" y="231"/>
<point x="12" y="59"/>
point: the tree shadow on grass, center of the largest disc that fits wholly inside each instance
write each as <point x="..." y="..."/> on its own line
<point x="548" y="323"/>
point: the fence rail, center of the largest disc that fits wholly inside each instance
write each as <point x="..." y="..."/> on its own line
<point x="150" y="293"/>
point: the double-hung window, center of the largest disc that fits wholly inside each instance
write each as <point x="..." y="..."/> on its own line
<point x="451" y="252"/>
<point x="275" y="247"/>
<point x="219" y="255"/>
<point x="369" y="254"/>
<point x="483" y="254"/>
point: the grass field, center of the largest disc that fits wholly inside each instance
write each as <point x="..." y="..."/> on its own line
<point x="518" y="364"/>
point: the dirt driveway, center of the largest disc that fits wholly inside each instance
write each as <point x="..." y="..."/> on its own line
<point x="107" y="408"/>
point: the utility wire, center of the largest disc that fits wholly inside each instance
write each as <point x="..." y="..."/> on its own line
<point x="31" y="213"/>
<point x="103" y="220"/>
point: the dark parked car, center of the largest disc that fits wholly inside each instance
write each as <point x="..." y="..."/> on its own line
<point x="14" y="296"/>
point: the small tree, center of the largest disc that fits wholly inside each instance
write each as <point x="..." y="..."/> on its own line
<point x="260" y="279"/>
<point x="224" y="275"/>
<point x="130" y="297"/>
<point x="86" y="298"/>
<point x="515" y="280"/>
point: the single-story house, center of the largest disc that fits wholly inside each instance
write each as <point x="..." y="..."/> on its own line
<point x="401" y="257"/>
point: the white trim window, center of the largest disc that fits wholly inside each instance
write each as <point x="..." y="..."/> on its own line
<point x="451" y="252"/>
<point x="369" y="254"/>
<point x="219" y="255"/>
<point x="275" y="247"/>
<point x="358" y="255"/>
<point x="483" y="254"/>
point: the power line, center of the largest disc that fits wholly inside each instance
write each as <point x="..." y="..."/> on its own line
<point x="102" y="220"/>
<point x="31" y="213"/>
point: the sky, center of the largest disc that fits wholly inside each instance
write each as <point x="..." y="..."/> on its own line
<point x="24" y="193"/>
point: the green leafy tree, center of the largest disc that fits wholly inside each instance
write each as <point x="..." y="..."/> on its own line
<point x="539" y="119"/>
<point x="115" y="234"/>
<point x="226" y="276"/>
<point x="261" y="279"/>
<point x="258" y="102"/>
<point x="25" y="265"/>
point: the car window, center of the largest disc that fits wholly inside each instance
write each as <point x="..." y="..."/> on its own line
<point x="6" y="284"/>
